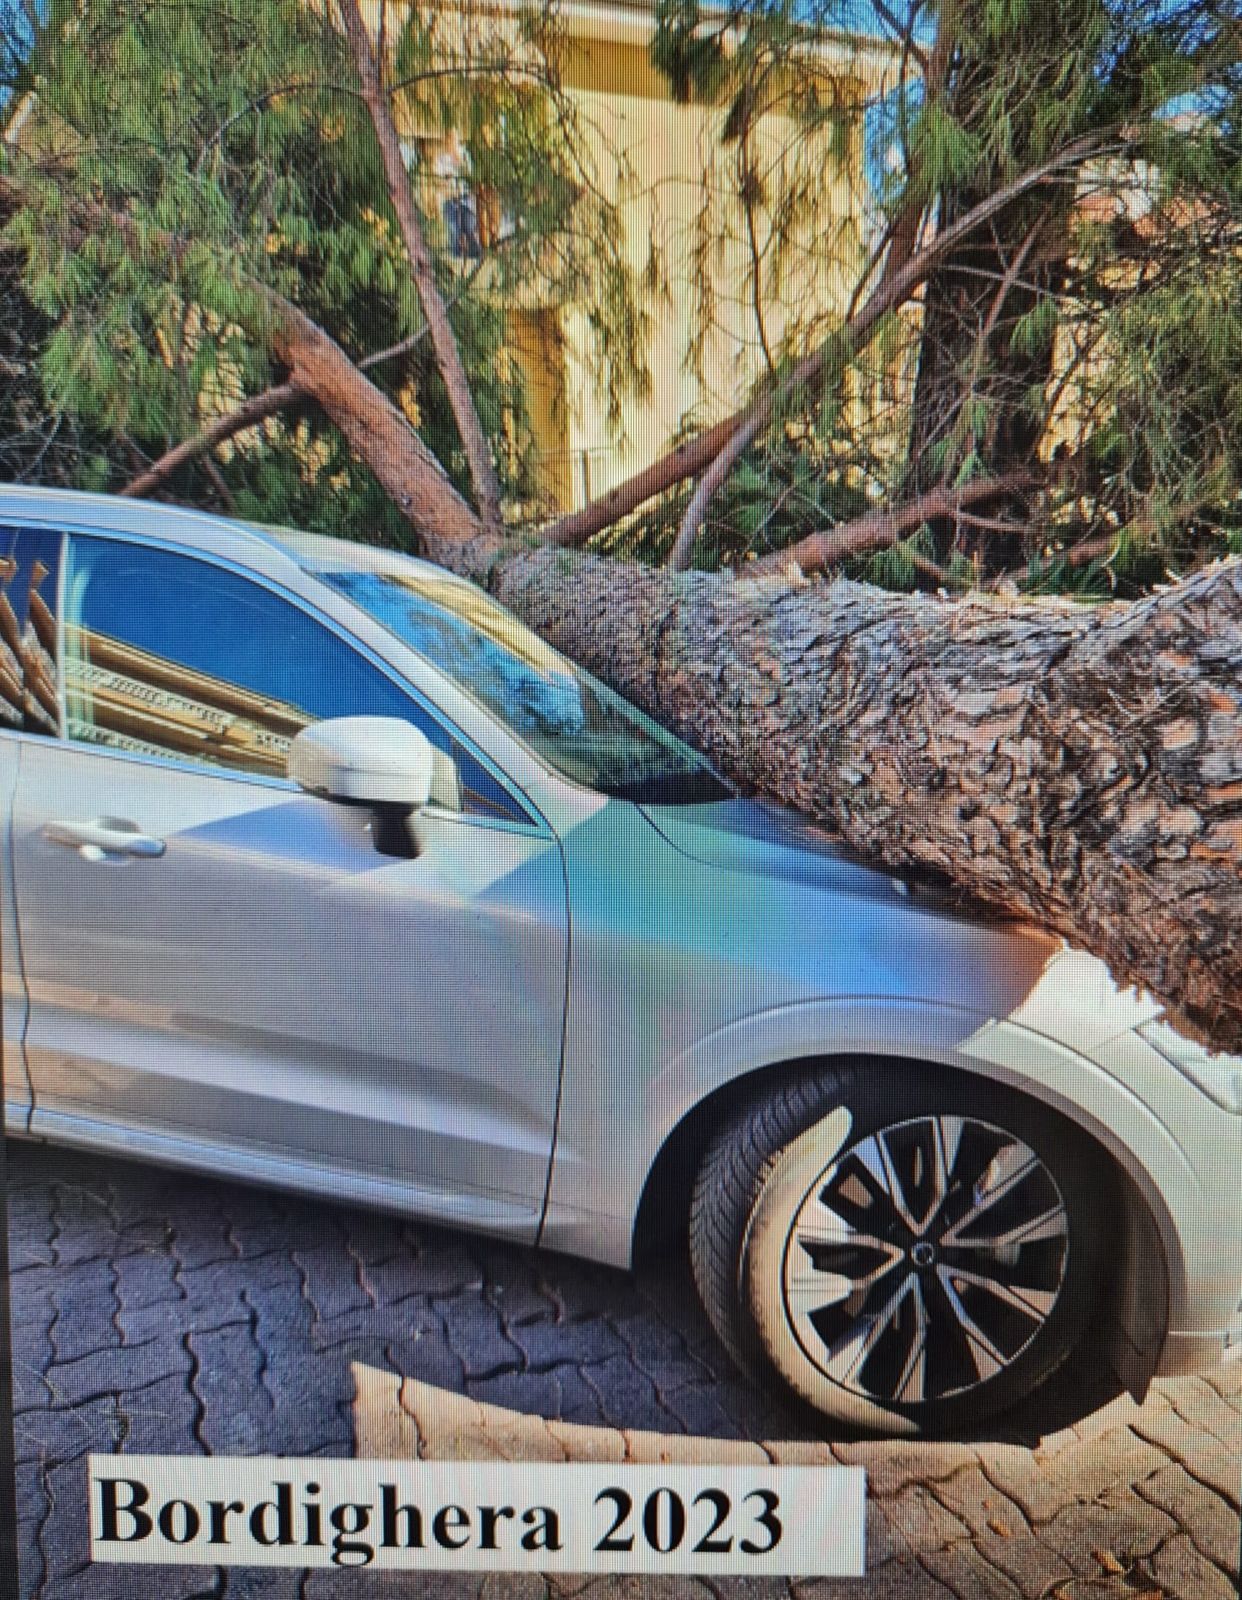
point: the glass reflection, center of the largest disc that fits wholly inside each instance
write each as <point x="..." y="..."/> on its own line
<point x="12" y="703"/>
<point x="39" y="650"/>
<point x="29" y="566"/>
<point x="131" y="699"/>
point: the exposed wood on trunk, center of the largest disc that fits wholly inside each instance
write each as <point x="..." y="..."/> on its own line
<point x="443" y="339"/>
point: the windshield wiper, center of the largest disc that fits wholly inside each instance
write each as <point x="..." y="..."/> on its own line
<point x="669" y="789"/>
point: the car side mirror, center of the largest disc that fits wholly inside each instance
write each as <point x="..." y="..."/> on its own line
<point x="378" y="761"/>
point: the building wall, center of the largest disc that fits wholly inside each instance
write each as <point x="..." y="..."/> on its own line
<point x="668" y="147"/>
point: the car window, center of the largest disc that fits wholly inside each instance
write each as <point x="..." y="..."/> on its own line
<point x="168" y="655"/>
<point x="29" y="563"/>
<point x="577" y="724"/>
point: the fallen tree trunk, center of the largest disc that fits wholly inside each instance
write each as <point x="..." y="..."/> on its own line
<point x="1078" y="766"/>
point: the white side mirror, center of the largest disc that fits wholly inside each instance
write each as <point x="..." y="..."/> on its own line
<point x="371" y="760"/>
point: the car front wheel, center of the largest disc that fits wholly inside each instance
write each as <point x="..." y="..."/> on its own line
<point x="911" y="1252"/>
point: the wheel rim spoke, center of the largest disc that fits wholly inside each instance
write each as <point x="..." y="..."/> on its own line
<point x="1049" y="1224"/>
<point x="912" y="1384"/>
<point x="1036" y="1304"/>
<point x="988" y="1359"/>
<point x="851" y="1351"/>
<point x="1011" y="1166"/>
<point x="810" y="1291"/>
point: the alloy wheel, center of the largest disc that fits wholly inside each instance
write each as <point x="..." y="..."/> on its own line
<point x="924" y="1259"/>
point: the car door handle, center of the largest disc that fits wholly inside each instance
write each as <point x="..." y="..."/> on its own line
<point x="107" y="835"/>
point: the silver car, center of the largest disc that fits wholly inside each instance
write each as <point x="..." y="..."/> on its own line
<point x="321" y="870"/>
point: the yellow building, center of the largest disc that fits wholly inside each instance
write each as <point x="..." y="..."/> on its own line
<point x="722" y="316"/>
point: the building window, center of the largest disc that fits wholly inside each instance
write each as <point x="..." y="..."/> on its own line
<point x="461" y="224"/>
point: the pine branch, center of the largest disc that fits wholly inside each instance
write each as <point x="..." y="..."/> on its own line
<point x="246" y="415"/>
<point x="879" y="529"/>
<point x="444" y="340"/>
<point x="737" y="432"/>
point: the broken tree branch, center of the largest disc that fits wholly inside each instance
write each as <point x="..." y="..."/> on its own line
<point x="444" y="341"/>
<point x="878" y="529"/>
<point x="251" y="411"/>
<point x="696" y="455"/>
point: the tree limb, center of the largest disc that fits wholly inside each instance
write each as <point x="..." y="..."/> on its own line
<point x="319" y="369"/>
<point x="251" y="411"/>
<point x="696" y="455"/>
<point x="444" y="340"/>
<point x="1078" y="765"/>
<point x="705" y="491"/>
<point x="878" y="529"/>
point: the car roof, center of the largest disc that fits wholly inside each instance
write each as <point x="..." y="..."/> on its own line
<point x="202" y="530"/>
<point x="115" y="514"/>
<point x="319" y="552"/>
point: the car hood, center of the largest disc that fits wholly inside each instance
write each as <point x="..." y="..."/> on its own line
<point x="773" y="841"/>
<point x="998" y="965"/>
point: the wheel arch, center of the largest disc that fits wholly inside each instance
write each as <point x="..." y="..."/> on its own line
<point x="1139" y="1302"/>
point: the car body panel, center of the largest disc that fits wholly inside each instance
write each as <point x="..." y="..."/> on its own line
<point x="211" y="993"/>
<point x="743" y="968"/>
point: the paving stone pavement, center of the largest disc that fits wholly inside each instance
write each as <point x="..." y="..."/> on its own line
<point x="158" y="1312"/>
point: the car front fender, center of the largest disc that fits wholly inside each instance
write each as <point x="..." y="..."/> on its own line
<point x="600" y="1171"/>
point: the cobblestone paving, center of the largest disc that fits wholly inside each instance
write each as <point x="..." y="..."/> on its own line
<point x="155" y="1312"/>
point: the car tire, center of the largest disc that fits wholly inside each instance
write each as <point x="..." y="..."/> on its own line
<point x="910" y="1251"/>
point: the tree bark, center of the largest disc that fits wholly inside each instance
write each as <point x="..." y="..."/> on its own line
<point x="443" y="339"/>
<point x="254" y="410"/>
<point x="1078" y="766"/>
<point x="876" y="530"/>
<point x="974" y="301"/>
<point x="376" y="430"/>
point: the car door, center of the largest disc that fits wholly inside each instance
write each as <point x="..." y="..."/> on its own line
<point x="223" y="969"/>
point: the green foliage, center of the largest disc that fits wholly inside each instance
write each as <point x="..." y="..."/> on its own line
<point x="950" y="154"/>
<point x="896" y="567"/>
<point x="779" y="492"/>
<point x="1092" y="330"/>
<point x="1032" y="331"/>
<point x="236" y="131"/>
<point x="1176" y="389"/>
<point x="1099" y="329"/>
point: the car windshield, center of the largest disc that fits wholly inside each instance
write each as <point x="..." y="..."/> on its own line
<point x="576" y="724"/>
